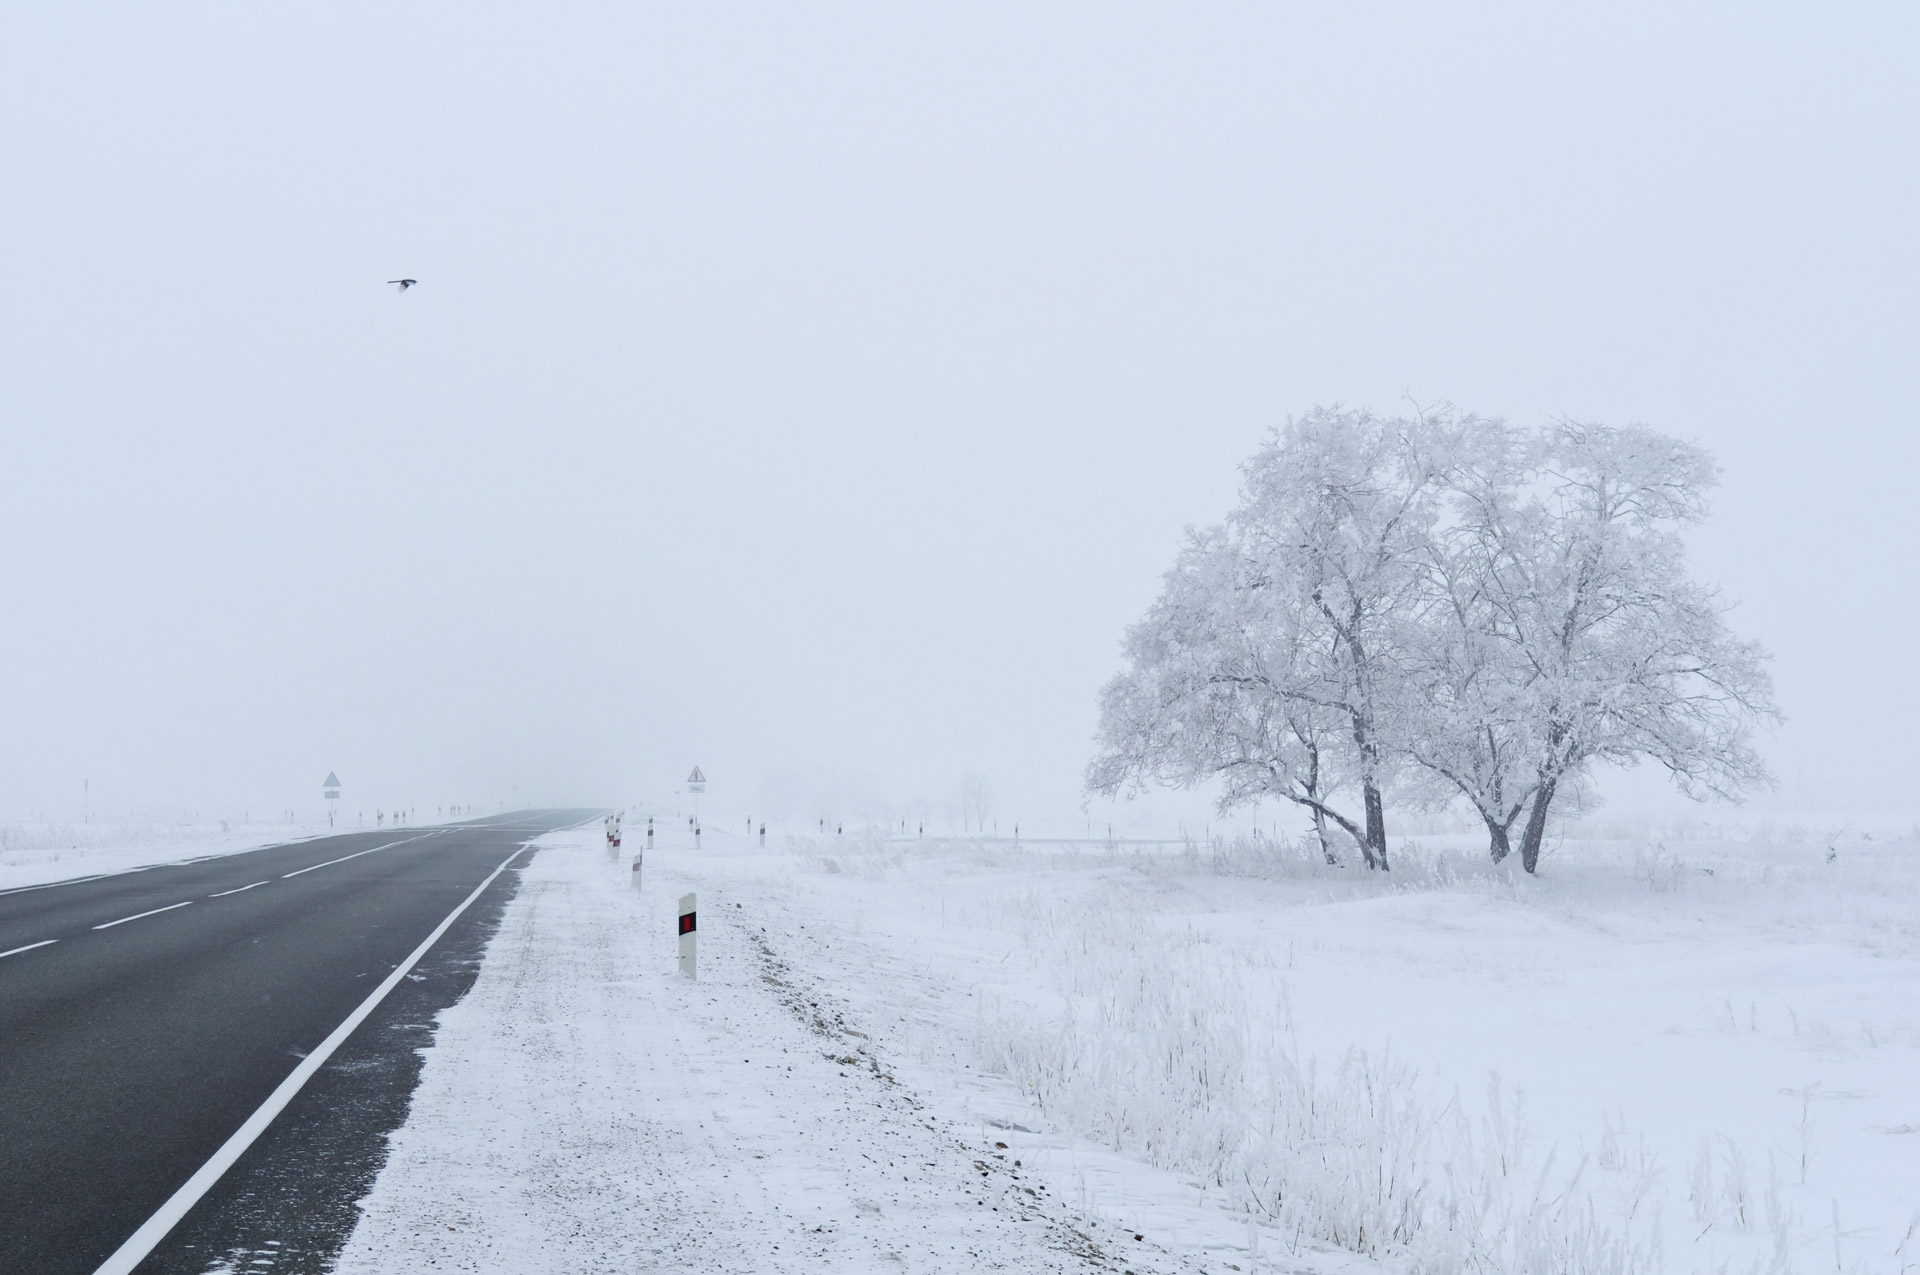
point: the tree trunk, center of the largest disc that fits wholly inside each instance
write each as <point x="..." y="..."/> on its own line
<point x="1320" y="830"/>
<point x="1501" y="847"/>
<point x="1321" y="813"/>
<point x="1376" y="828"/>
<point x="1536" y="826"/>
<point x="1374" y="848"/>
<point x="1543" y="797"/>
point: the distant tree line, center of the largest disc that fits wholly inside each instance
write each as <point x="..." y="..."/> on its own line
<point x="1439" y="608"/>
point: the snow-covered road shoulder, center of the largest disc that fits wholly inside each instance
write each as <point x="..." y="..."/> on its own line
<point x="585" y="1109"/>
<point x="33" y="855"/>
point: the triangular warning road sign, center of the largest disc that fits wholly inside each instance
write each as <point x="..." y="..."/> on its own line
<point x="333" y="780"/>
<point x="696" y="777"/>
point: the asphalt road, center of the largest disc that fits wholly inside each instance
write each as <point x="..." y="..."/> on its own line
<point x="145" y="1015"/>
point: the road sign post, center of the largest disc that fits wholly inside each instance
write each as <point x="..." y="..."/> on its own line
<point x="689" y="936"/>
<point x="696" y="784"/>
<point x="331" y="791"/>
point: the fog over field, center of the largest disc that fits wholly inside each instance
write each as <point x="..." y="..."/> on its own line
<point x="817" y="393"/>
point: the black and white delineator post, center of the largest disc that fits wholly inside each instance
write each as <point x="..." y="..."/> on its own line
<point x="633" y="876"/>
<point x="689" y="936"/>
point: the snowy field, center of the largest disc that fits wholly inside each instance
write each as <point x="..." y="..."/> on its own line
<point x="584" y="1109"/>
<point x="1682" y="1056"/>
<point x="37" y="853"/>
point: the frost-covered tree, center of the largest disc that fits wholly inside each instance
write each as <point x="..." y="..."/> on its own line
<point x="1338" y="504"/>
<point x="1469" y="714"/>
<point x="1599" y="645"/>
<point x="1271" y="661"/>
<point x="1495" y="608"/>
<point x="1226" y="683"/>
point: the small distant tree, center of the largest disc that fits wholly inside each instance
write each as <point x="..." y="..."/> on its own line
<point x="975" y="800"/>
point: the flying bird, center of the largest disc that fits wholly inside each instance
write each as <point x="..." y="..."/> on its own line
<point x="404" y="283"/>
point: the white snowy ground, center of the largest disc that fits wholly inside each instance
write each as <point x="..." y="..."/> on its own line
<point x="37" y="853"/>
<point x="1707" y="1059"/>
<point x="585" y="1109"/>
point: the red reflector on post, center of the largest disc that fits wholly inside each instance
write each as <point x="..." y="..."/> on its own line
<point x="686" y="923"/>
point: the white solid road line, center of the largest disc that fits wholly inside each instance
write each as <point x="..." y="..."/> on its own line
<point x="355" y="855"/>
<point x="155" y="1228"/>
<point x="137" y="915"/>
<point x="28" y="948"/>
<point x="224" y="893"/>
<point x="22" y="889"/>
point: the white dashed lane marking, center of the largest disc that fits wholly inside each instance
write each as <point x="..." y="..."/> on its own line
<point x="343" y="858"/>
<point x="137" y="915"/>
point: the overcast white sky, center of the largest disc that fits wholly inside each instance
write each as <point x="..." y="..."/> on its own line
<point x="815" y="392"/>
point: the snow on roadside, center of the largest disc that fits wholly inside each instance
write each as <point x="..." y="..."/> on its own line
<point x="41" y="853"/>
<point x="1704" y="1060"/>
<point x="585" y="1109"/>
<point x="1688" y="1060"/>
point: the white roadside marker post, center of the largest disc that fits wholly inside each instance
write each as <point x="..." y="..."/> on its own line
<point x="689" y="937"/>
<point x="633" y="876"/>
